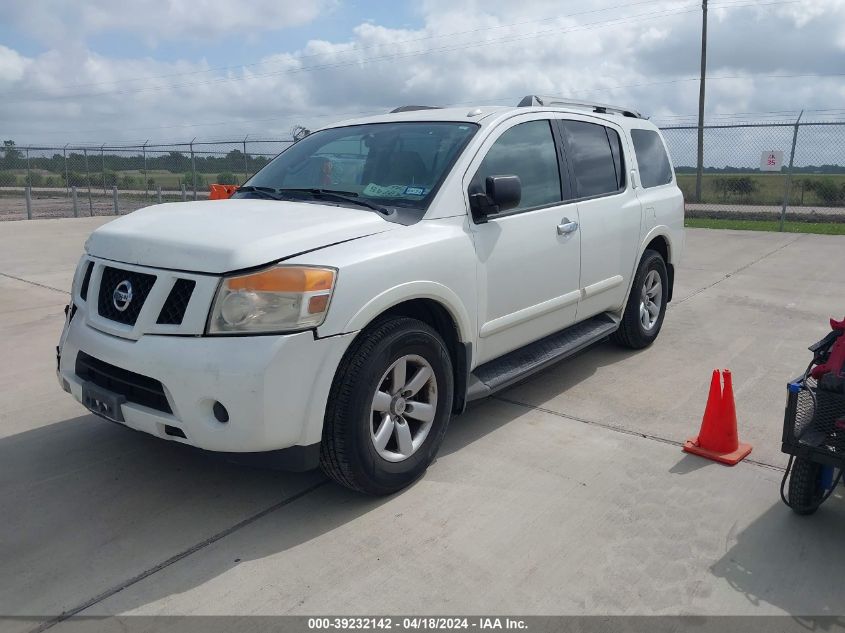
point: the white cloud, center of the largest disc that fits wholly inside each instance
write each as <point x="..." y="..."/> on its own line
<point x="54" y="20"/>
<point x="464" y="53"/>
<point x="12" y="66"/>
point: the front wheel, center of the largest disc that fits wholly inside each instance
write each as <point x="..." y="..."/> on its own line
<point x="646" y="307"/>
<point x="388" y="408"/>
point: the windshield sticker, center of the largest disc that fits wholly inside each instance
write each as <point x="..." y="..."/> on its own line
<point x="414" y="191"/>
<point x="379" y="191"/>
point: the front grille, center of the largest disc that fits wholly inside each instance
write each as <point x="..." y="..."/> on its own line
<point x="140" y="283"/>
<point x="134" y="387"/>
<point x="83" y="290"/>
<point x="173" y="310"/>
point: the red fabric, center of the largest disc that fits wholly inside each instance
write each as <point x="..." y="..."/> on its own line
<point x="836" y="361"/>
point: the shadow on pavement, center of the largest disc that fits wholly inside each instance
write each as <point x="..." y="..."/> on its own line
<point x="789" y="561"/>
<point x="90" y="506"/>
<point x="561" y="377"/>
<point x="690" y="463"/>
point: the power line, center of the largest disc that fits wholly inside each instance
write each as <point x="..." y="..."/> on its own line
<point x="357" y="113"/>
<point x="363" y="48"/>
<point x="501" y="40"/>
<point x="724" y="3"/>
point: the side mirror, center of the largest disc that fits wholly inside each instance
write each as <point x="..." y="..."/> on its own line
<point x="502" y="194"/>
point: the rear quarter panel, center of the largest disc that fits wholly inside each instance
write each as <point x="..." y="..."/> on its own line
<point x="663" y="206"/>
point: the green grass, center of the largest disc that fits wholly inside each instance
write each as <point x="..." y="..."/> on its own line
<point x="769" y="188"/>
<point x="167" y="180"/>
<point x="821" y="228"/>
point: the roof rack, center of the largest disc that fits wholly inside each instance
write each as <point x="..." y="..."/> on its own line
<point x="412" y="108"/>
<point x="600" y="108"/>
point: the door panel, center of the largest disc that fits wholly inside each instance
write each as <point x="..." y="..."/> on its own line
<point x="528" y="277"/>
<point x="609" y="210"/>
<point x="528" y="268"/>
<point x="610" y="238"/>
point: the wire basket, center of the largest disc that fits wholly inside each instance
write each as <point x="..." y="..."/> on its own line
<point x="814" y="423"/>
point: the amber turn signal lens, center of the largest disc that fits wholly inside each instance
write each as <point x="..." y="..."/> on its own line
<point x="285" y="279"/>
<point x="318" y="304"/>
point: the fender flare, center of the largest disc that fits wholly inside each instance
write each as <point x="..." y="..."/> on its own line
<point x="414" y="290"/>
<point x="656" y="231"/>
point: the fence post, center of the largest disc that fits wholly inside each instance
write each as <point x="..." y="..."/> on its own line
<point x="103" y="159"/>
<point x="28" y="177"/>
<point x="88" y="179"/>
<point x="114" y="199"/>
<point x="67" y="178"/>
<point x="146" y="186"/>
<point x="246" y="161"/>
<point x="184" y="195"/>
<point x="789" y="173"/>
<point x="28" y="193"/>
<point x="158" y="192"/>
<point x="193" y="169"/>
<point x="75" y="202"/>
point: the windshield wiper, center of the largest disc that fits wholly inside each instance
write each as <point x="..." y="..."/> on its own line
<point x="263" y="192"/>
<point x="339" y="196"/>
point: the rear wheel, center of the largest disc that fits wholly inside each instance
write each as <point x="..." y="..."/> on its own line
<point x="646" y="307"/>
<point x="388" y="408"/>
<point x="805" y="486"/>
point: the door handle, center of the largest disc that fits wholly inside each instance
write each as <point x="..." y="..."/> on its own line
<point x="566" y="227"/>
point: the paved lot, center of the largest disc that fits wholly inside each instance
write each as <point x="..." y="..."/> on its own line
<point x="568" y="494"/>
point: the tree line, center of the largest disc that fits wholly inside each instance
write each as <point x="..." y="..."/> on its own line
<point x="234" y="161"/>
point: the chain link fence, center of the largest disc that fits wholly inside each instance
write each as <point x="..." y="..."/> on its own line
<point x="809" y="187"/>
<point x="76" y="181"/>
<point x="69" y="181"/>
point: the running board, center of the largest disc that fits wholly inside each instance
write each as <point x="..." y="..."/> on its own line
<point x="514" y="366"/>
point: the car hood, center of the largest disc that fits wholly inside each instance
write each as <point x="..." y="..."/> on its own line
<point x="218" y="236"/>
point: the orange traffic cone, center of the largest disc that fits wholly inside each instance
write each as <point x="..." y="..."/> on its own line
<point x="718" y="438"/>
<point x="221" y="192"/>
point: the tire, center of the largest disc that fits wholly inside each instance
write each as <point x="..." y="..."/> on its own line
<point x="632" y="332"/>
<point x="349" y="453"/>
<point x="805" y="488"/>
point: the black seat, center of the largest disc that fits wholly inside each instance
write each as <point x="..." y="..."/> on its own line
<point x="406" y="168"/>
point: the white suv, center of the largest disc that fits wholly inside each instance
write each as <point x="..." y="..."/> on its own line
<point x="374" y="278"/>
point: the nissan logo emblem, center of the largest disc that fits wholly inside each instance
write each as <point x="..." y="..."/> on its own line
<point x="122" y="296"/>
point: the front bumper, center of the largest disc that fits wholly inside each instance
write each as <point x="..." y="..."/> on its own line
<point x="274" y="387"/>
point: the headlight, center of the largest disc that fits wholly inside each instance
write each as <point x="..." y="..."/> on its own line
<point x="278" y="299"/>
<point x="78" y="274"/>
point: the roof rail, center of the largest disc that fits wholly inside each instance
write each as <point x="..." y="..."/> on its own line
<point x="601" y="108"/>
<point x="411" y="108"/>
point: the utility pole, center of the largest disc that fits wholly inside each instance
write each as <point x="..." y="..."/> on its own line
<point x="700" y="168"/>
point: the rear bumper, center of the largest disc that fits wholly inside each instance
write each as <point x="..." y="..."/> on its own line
<point x="274" y="387"/>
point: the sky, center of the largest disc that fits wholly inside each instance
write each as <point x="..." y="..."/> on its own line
<point x="100" y="71"/>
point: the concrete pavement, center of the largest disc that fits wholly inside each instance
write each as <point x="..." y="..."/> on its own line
<point x="567" y="494"/>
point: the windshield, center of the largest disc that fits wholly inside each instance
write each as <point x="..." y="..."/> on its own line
<point x="387" y="164"/>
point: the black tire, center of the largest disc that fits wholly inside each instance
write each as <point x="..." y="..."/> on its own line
<point x="805" y="487"/>
<point x="631" y="332"/>
<point x="347" y="453"/>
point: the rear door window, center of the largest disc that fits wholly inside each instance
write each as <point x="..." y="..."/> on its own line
<point x="597" y="166"/>
<point x="655" y="169"/>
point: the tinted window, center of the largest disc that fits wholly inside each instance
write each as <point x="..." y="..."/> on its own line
<point x="526" y="150"/>
<point x="651" y="156"/>
<point x="591" y="158"/>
